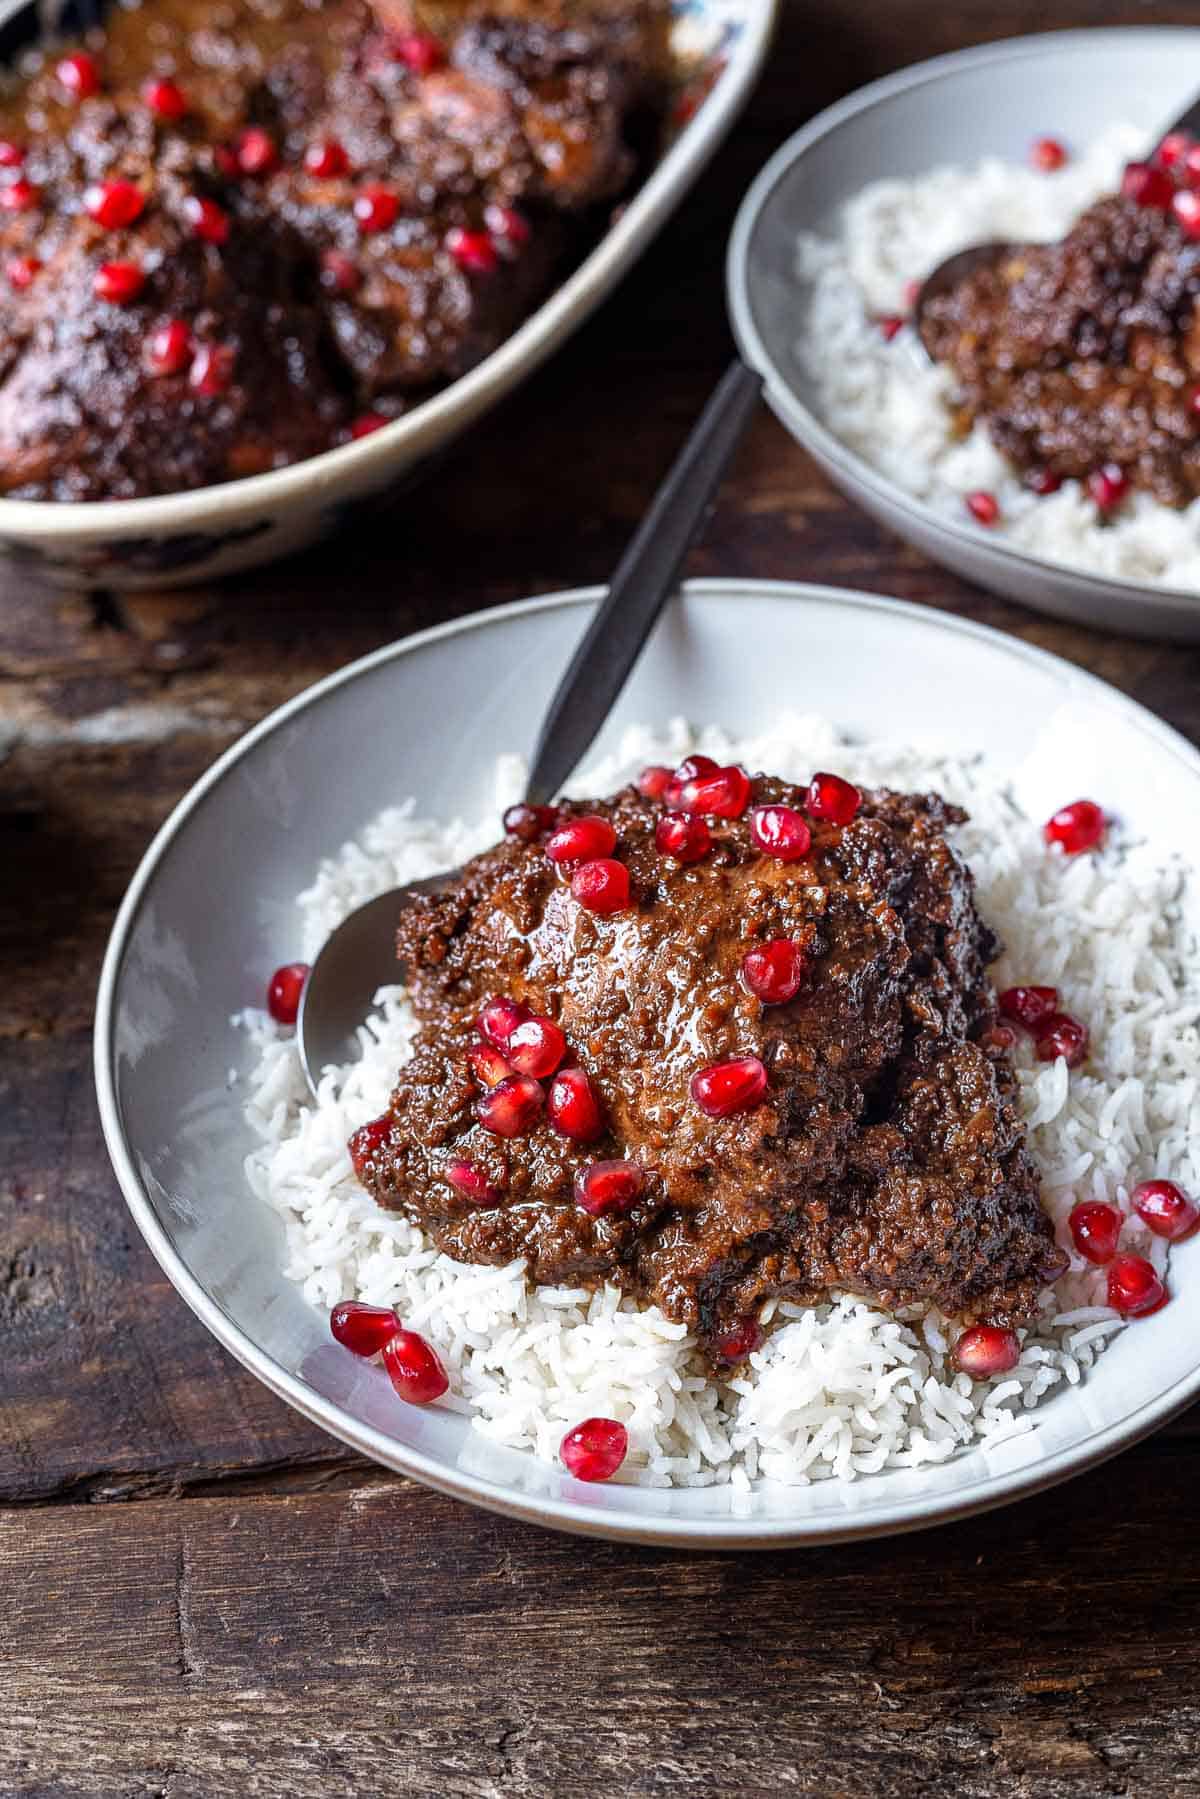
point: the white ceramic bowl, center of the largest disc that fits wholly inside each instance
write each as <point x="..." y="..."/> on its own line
<point x="213" y="900"/>
<point x="718" y="48"/>
<point x="954" y="109"/>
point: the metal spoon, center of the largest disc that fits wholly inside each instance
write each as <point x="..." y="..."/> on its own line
<point x="360" y="956"/>
<point x="956" y="268"/>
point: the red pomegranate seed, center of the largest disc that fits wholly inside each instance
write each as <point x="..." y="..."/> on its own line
<point x="742" y="1340"/>
<point x="1077" y="827"/>
<point x="79" y="75"/>
<point x="987" y="1349"/>
<point x="473" y="251"/>
<point x="499" y="1019"/>
<point x="1108" y="485"/>
<point x="326" y="158"/>
<point x="1133" y="1287"/>
<point x="719" y="793"/>
<point x="1185" y="209"/>
<point x="488" y="1064"/>
<point x="208" y="221"/>
<point x="999" y="1036"/>
<point x="688" y="769"/>
<point x="21" y="271"/>
<point x="467" y="1180"/>
<point x="508" y="227"/>
<point x="682" y="837"/>
<point x="11" y="155"/>
<point x="889" y="325"/>
<point x="536" y="1047"/>
<point x="511" y="1108"/>
<point x="1173" y="149"/>
<point x="1043" y="481"/>
<point x="1047" y="154"/>
<point x="256" y="151"/>
<point x="528" y="823"/>
<point x="729" y="1087"/>
<point x="653" y="781"/>
<point x="366" y="424"/>
<point x="1096" y="1230"/>
<point x="118" y="282"/>
<point x="1147" y="186"/>
<point x="1061" y="1035"/>
<point x="608" y="1187"/>
<point x="284" y="990"/>
<point x="1166" y="1209"/>
<point x="212" y="369"/>
<point x="601" y="886"/>
<point x="984" y="507"/>
<point x="574" y="1107"/>
<point x="226" y="161"/>
<point x="581" y="839"/>
<point x="774" y="972"/>
<point x="341" y="273"/>
<point x="595" y="1449"/>
<point x="1190" y="172"/>
<point x="831" y="798"/>
<point x="114" y="203"/>
<point x="779" y="831"/>
<point x="363" y="1329"/>
<point x="20" y="196"/>
<point x="169" y="348"/>
<point x="367" y="1141"/>
<point x="414" y="1368"/>
<point x="165" y="99"/>
<point x="1030" y="1006"/>
<point x="419" y="51"/>
<point x="376" y="209"/>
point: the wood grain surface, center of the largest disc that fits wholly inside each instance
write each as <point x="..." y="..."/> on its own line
<point x="267" y="1614"/>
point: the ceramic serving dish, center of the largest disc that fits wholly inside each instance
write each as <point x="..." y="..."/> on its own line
<point x="214" y="899"/>
<point x="954" y="109"/>
<point x="169" y="540"/>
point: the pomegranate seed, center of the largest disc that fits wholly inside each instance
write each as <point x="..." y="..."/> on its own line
<point x="1147" y="186"/>
<point x="488" y="1064"/>
<point x="601" y="886"/>
<point x="366" y="1142"/>
<point x="1173" y="149"/>
<point x="340" y="272"/>
<point x="721" y="793"/>
<point x="1096" y="1230"/>
<point x="984" y="507"/>
<point x="1108" y="486"/>
<point x="20" y="196"/>
<point x="831" y="798"/>
<point x="256" y="151"/>
<point x="508" y="227"/>
<point x="574" y="1106"/>
<point x="595" y="1449"/>
<point x="419" y="51"/>
<point x="774" y="972"/>
<point x="473" y="251"/>
<point x="688" y="769"/>
<point x="1061" y="1035"/>
<point x="118" y="282"/>
<point x="284" y="990"/>
<point x="326" y="158"/>
<point x="536" y="1047"/>
<point x="735" y="1345"/>
<point x="467" y="1180"/>
<point x="165" y="99"/>
<point x="1190" y="172"/>
<point x="1047" y="154"/>
<point x="729" y="1087"/>
<point x="653" y="781"/>
<point x="511" y="1108"/>
<point x="1185" y="208"/>
<point x="1030" y="1006"/>
<point x="682" y="837"/>
<point x="366" y="424"/>
<point x="889" y="326"/>
<point x="79" y="75"/>
<point x="114" y="203"/>
<point x="414" y="1368"/>
<point x="208" y="221"/>
<point x="779" y="831"/>
<point x="21" y="271"/>
<point x="226" y="161"/>
<point x="169" y="348"/>
<point x="1133" y="1287"/>
<point x="582" y="839"/>
<point x="11" y="155"/>
<point x="363" y="1329"/>
<point x="608" y="1187"/>
<point x="376" y="209"/>
<point x="999" y="1036"/>
<point x="1077" y="827"/>
<point x="499" y="1019"/>
<point x="212" y="369"/>
<point x="1165" y="1208"/>
<point x="528" y="823"/>
<point x="987" y="1349"/>
<point x="1043" y="481"/>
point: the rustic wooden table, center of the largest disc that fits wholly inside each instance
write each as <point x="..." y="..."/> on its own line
<point x="203" y="1595"/>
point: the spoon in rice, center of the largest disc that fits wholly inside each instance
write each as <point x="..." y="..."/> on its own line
<point x="359" y="957"/>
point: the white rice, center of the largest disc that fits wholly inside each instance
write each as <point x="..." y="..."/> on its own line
<point x="839" y="1390"/>
<point x="888" y="403"/>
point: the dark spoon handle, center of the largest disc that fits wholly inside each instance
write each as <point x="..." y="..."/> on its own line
<point x="644" y="580"/>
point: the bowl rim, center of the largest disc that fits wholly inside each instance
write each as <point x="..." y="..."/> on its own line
<point x="579" y="1517"/>
<point x="432" y="421"/>
<point x="785" y="402"/>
